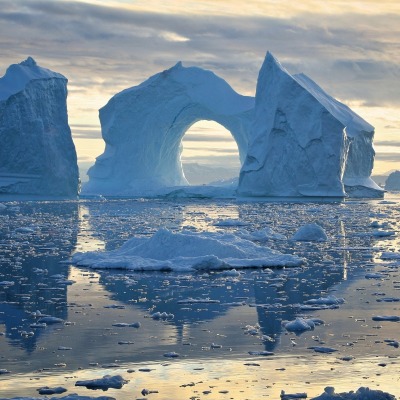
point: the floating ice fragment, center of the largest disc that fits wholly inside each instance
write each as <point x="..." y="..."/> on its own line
<point x="288" y="396"/>
<point x="146" y="392"/>
<point x="7" y="283"/>
<point x="261" y="353"/>
<point x="392" y="342"/>
<point x="363" y="393"/>
<point x="50" y="320"/>
<point x="329" y="300"/>
<point x="4" y="371"/>
<point x="310" y="232"/>
<point x="162" y="315"/>
<point x="389" y="255"/>
<point x="49" y="390"/>
<point x="375" y="275"/>
<point x="393" y="318"/>
<point x="301" y="324"/>
<point x="125" y="325"/>
<point x="171" y="354"/>
<point x="105" y="383"/>
<point x="320" y="349"/>
<point x="379" y="233"/>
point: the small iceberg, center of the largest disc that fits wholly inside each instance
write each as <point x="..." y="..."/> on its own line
<point x="187" y="251"/>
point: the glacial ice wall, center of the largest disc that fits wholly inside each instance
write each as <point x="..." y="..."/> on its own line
<point x="143" y="127"/>
<point x="360" y="157"/>
<point x="296" y="146"/>
<point x="37" y="155"/>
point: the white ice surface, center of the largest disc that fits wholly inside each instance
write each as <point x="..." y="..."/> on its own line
<point x="310" y="232"/>
<point x="187" y="251"/>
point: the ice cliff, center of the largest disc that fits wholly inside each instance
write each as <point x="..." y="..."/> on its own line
<point x="360" y="157"/>
<point x="37" y="155"/>
<point x="143" y="127"/>
<point x="303" y="142"/>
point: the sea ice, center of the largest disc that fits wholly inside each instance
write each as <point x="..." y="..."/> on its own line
<point x="310" y="232"/>
<point x="363" y="393"/>
<point x="188" y="251"/>
<point x="105" y="383"/>
<point x="301" y="324"/>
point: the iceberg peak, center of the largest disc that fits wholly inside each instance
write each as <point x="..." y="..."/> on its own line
<point x="29" y="62"/>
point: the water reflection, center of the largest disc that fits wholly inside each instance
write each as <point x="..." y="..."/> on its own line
<point x="34" y="238"/>
<point x="29" y="258"/>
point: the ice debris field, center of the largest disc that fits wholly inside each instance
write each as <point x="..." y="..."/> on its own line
<point x="199" y="298"/>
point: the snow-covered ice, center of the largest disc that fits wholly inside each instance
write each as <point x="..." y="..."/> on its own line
<point x="310" y="232"/>
<point x="168" y="251"/>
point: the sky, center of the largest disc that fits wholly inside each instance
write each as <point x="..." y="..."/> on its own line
<point x="350" y="48"/>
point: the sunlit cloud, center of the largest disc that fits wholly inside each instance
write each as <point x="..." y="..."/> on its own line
<point x="351" y="48"/>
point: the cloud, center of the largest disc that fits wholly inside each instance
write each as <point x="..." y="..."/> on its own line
<point x="354" y="56"/>
<point x="393" y="157"/>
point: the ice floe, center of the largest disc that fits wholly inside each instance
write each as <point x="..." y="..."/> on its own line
<point x="310" y="233"/>
<point x="105" y="383"/>
<point x="363" y="393"/>
<point x="301" y="324"/>
<point x="187" y="251"/>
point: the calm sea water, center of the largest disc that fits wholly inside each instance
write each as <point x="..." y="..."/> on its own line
<point x="216" y="338"/>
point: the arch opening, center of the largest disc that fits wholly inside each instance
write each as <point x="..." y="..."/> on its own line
<point x="209" y="154"/>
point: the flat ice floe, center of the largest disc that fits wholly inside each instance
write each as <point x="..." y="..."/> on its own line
<point x="187" y="251"/>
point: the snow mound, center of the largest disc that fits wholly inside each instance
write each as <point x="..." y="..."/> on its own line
<point x="187" y="251"/>
<point x="37" y="154"/>
<point x="393" y="181"/>
<point x="310" y="232"/>
<point x="363" y="393"/>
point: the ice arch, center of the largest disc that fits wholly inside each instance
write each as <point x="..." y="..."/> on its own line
<point x="210" y="154"/>
<point x="143" y="127"/>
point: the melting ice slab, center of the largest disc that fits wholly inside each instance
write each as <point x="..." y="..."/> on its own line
<point x="37" y="155"/>
<point x="168" y="251"/>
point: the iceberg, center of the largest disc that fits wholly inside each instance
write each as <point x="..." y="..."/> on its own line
<point x="360" y="157"/>
<point x="393" y="181"/>
<point x="37" y="154"/>
<point x="296" y="146"/>
<point x="294" y="139"/>
<point x="143" y="127"/>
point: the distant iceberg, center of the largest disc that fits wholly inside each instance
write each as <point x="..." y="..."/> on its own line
<point x="37" y="154"/>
